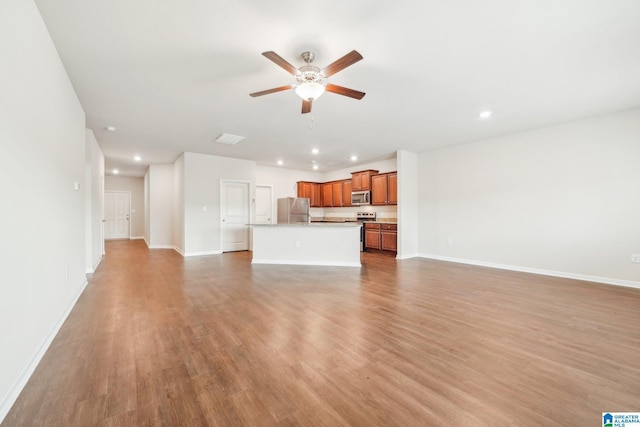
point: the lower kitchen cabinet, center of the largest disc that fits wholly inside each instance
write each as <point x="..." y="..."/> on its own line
<point x="372" y="236"/>
<point x="389" y="237"/>
<point x="381" y="236"/>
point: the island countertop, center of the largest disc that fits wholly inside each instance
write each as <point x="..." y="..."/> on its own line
<point x="335" y="244"/>
<point x="312" y="224"/>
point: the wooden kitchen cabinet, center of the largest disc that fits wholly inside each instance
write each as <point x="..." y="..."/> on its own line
<point x="384" y="189"/>
<point x="381" y="236"/>
<point x="316" y="199"/>
<point x="310" y="190"/>
<point x="327" y="194"/>
<point x="336" y="193"/>
<point x="389" y="237"/>
<point x="392" y="188"/>
<point x="346" y="192"/>
<point x="371" y="235"/>
<point x="361" y="180"/>
<point x="379" y="190"/>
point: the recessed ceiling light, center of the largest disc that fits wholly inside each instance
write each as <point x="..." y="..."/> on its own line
<point x="354" y="158"/>
<point x="315" y="167"/>
<point x="115" y="171"/>
<point x="485" y="114"/>
<point x="137" y="158"/>
<point x="110" y="128"/>
<point x="315" y="151"/>
<point x="280" y="162"/>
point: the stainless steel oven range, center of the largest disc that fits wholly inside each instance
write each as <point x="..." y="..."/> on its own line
<point x="363" y="217"/>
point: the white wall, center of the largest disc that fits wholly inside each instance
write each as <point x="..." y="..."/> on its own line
<point x="284" y="182"/>
<point x="407" y="204"/>
<point x="161" y="206"/>
<point x="135" y="186"/>
<point x="147" y="207"/>
<point x="202" y="175"/>
<point x="94" y="200"/>
<point x="382" y="166"/>
<point x="562" y="199"/>
<point x="42" y="220"/>
<point x="178" y="196"/>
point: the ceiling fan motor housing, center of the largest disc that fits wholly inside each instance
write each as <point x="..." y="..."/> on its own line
<point x="309" y="74"/>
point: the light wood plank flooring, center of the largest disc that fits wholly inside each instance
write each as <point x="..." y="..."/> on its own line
<point x="160" y="340"/>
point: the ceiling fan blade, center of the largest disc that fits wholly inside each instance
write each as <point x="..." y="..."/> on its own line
<point x="280" y="61"/>
<point x="342" y="63"/>
<point x="268" y="91"/>
<point x="340" y="90"/>
<point x="306" y="106"/>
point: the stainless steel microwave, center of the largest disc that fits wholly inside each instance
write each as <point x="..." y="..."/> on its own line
<point x="359" y="198"/>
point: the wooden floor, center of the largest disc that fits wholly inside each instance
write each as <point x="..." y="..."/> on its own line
<point x="157" y="339"/>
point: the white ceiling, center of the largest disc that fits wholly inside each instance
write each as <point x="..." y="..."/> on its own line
<point x="171" y="75"/>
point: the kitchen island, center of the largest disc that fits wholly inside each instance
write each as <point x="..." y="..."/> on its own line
<point x="335" y="244"/>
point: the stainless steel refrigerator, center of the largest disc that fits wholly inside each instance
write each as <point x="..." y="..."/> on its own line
<point x="293" y="210"/>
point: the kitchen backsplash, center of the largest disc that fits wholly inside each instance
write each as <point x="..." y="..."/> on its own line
<point x="383" y="213"/>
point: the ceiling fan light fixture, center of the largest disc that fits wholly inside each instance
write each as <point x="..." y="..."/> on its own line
<point x="310" y="91"/>
<point x="311" y="79"/>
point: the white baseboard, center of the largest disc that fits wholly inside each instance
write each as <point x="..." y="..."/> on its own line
<point x="93" y="270"/>
<point x="583" y="277"/>
<point x="14" y="391"/>
<point x="162" y="247"/>
<point x="297" y="262"/>
<point x="188" y="254"/>
<point x="407" y="256"/>
<point x="181" y="252"/>
<point x="136" y="238"/>
<point x="177" y="249"/>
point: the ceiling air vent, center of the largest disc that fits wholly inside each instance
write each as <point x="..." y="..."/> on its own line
<point x="227" y="138"/>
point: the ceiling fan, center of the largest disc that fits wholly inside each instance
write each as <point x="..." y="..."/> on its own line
<point x="311" y="79"/>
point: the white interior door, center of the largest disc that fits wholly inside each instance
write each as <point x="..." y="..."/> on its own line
<point x="234" y="216"/>
<point x="117" y="206"/>
<point x="264" y="204"/>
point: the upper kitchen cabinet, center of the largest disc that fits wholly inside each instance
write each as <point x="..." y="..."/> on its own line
<point x="346" y="192"/>
<point x="310" y="190"/>
<point x="336" y="193"/>
<point x="392" y="188"/>
<point x="384" y="189"/>
<point x="361" y="181"/>
<point x="327" y="194"/>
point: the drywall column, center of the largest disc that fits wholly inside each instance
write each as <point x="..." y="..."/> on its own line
<point x="407" y="204"/>
<point x="161" y="211"/>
